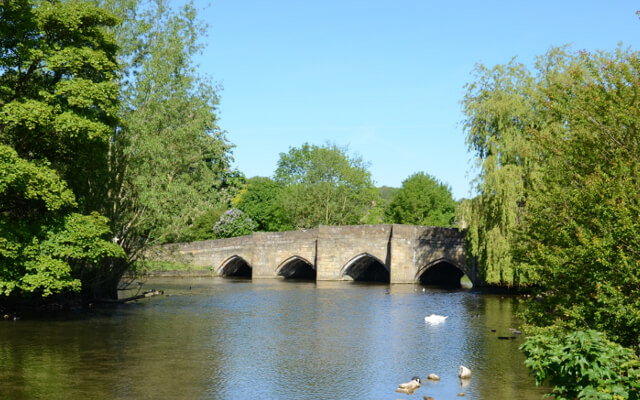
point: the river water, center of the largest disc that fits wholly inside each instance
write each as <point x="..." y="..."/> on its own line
<point x="215" y="338"/>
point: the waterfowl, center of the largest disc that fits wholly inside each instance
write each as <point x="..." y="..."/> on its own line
<point x="465" y="373"/>
<point x="435" y="319"/>
<point x="410" y="386"/>
<point x="433" y="377"/>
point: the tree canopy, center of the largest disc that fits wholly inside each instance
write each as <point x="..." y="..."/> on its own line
<point x="582" y="222"/>
<point x="500" y="109"/>
<point x="422" y="200"/>
<point x="261" y="201"/>
<point x="108" y="140"/>
<point x="170" y="160"/>
<point x="558" y="208"/>
<point x="58" y="106"/>
<point x="324" y="185"/>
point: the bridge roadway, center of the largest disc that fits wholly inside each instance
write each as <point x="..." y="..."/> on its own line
<point x="385" y="253"/>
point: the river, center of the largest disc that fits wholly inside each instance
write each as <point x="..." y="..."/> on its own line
<point x="215" y="338"/>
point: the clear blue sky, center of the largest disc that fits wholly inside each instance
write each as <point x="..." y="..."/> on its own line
<point x="384" y="78"/>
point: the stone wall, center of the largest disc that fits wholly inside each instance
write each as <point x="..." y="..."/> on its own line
<point x="405" y="251"/>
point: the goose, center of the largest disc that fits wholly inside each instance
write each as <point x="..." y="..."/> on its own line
<point x="410" y="386"/>
<point x="465" y="373"/>
<point x="435" y="319"/>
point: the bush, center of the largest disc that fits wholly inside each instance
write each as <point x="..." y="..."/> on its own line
<point x="233" y="223"/>
<point x="583" y="365"/>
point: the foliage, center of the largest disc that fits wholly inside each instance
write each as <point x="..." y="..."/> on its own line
<point x="583" y="365"/>
<point x="58" y="103"/>
<point x="422" y="200"/>
<point x="261" y="202"/>
<point x="558" y="150"/>
<point x="582" y="225"/>
<point x="387" y="193"/>
<point x="324" y="185"/>
<point x="202" y="226"/>
<point x="58" y="91"/>
<point x="170" y="160"/>
<point x="500" y="109"/>
<point x="233" y="223"/>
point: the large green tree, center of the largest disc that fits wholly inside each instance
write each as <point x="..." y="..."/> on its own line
<point x="558" y="151"/>
<point x="324" y="185"/>
<point x="58" y="105"/>
<point x="583" y="219"/>
<point x="261" y="201"/>
<point x="170" y="162"/>
<point x="422" y="200"/>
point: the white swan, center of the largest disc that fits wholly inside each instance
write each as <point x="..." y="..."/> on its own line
<point x="465" y="373"/>
<point x="434" y="319"/>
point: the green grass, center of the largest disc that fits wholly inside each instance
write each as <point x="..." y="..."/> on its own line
<point x="157" y="266"/>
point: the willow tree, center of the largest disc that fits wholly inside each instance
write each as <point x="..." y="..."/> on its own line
<point x="58" y="105"/>
<point x="501" y="109"/>
<point x="566" y="170"/>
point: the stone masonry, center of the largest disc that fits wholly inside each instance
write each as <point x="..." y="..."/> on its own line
<point x="405" y="253"/>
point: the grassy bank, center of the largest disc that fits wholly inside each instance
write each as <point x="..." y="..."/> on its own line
<point x="165" y="268"/>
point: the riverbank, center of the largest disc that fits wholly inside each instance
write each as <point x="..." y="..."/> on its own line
<point x="162" y="269"/>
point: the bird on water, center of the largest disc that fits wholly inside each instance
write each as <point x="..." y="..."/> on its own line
<point x="435" y="319"/>
<point x="409" y="387"/>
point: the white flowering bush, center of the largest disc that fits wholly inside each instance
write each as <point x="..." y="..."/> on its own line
<point x="233" y="223"/>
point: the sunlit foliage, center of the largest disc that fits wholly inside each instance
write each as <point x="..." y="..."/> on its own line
<point x="324" y="185"/>
<point x="422" y="200"/>
<point x="58" y="106"/>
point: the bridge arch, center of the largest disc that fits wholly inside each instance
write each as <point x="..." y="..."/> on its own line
<point x="296" y="267"/>
<point x="440" y="272"/>
<point x="365" y="267"/>
<point x="235" y="266"/>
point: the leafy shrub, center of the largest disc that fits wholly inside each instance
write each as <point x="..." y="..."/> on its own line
<point x="233" y="223"/>
<point x="583" y="365"/>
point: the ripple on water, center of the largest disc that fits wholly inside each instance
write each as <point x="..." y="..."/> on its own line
<point x="271" y="339"/>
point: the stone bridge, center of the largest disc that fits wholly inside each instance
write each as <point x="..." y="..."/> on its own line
<point x="382" y="253"/>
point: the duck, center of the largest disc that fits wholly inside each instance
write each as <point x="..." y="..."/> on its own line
<point x="465" y="373"/>
<point x="435" y="319"/>
<point x="409" y="387"/>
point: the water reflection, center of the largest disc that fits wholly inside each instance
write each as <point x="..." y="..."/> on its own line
<point x="271" y="339"/>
